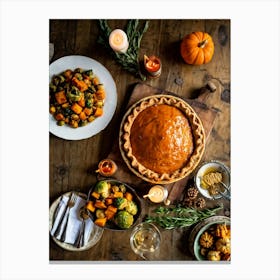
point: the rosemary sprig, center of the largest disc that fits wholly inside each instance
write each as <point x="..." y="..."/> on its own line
<point x="179" y="216"/>
<point x="129" y="60"/>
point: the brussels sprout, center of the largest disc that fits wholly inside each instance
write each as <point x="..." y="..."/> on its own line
<point x="61" y="78"/>
<point x="88" y="73"/>
<point x="91" y="118"/>
<point x="100" y="213"/>
<point x="120" y="202"/>
<point x="122" y="188"/>
<point x="115" y="188"/>
<point x="89" y="103"/>
<point x="103" y="188"/>
<point x="91" y="89"/>
<point x="78" y="70"/>
<point x="74" y="94"/>
<point x="123" y="219"/>
<point x="131" y="207"/>
<point x="74" y="117"/>
<point x="52" y="88"/>
<point x="79" y="76"/>
<point x="61" y="123"/>
<point x="55" y="80"/>
<point x="83" y="122"/>
<point x="67" y="111"/>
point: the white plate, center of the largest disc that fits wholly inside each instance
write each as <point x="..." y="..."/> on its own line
<point x="95" y="236"/>
<point x="77" y="61"/>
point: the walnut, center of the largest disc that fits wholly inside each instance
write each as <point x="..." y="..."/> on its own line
<point x="200" y="203"/>
<point x="206" y="240"/>
<point x="192" y="193"/>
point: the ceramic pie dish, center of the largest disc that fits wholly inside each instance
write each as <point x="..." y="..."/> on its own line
<point x="161" y="139"/>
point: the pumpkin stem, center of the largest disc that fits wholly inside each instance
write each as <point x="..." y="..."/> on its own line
<point x="202" y="44"/>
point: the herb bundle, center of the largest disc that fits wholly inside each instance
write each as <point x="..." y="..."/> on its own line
<point x="129" y="60"/>
<point x="179" y="216"/>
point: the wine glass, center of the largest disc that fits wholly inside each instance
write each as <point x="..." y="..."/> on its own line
<point x="145" y="240"/>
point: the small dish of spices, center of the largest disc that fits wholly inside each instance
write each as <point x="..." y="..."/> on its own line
<point x="213" y="178"/>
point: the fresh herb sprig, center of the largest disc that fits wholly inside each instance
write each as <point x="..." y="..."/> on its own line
<point x="129" y="60"/>
<point x="179" y="216"/>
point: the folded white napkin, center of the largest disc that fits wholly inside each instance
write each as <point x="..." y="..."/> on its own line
<point x="74" y="221"/>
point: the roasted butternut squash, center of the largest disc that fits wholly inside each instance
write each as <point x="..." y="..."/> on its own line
<point x="128" y="196"/>
<point x="109" y="201"/>
<point x="60" y="97"/>
<point x="118" y="194"/>
<point x="95" y="195"/>
<point x="90" y="206"/>
<point x="76" y="108"/>
<point x="100" y="204"/>
<point x="100" y="222"/>
<point x="98" y="112"/>
<point x="81" y="85"/>
<point x="83" y="116"/>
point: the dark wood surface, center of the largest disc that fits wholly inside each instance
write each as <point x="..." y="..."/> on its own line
<point x="72" y="163"/>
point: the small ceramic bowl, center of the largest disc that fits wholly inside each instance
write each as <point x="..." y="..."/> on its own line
<point x="212" y="166"/>
<point x="199" y="229"/>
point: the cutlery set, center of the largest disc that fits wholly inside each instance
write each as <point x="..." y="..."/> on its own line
<point x="60" y="232"/>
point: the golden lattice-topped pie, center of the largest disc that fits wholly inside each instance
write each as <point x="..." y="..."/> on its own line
<point x="161" y="139"/>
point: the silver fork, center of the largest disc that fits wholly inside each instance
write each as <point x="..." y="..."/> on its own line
<point x="70" y="204"/>
<point x="227" y="194"/>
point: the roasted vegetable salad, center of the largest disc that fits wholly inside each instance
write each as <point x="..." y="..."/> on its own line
<point x="76" y="97"/>
<point x="112" y="204"/>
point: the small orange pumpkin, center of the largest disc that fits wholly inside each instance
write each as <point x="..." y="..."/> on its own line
<point x="197" y="48"/>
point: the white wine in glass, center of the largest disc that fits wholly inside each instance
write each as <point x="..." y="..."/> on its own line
<point x="145" y="240"/>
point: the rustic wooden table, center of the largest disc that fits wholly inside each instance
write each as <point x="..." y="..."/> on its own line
<point x="72" y="162"/>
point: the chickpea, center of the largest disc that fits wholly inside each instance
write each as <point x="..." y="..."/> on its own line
<point x="74" y="117"/>
<point x="74" y="123"/>
<point x="91" y="118"/>
<point x="52" y="110"/>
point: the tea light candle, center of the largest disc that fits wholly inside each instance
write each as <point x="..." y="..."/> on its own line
<point x="118" y="41"/>
<point x="152" y="65"/>
<point x="107" y="167"/>
<point x="157" y="194"/>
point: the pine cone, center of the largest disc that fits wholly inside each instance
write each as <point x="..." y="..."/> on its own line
<point x="200" y="203"/>
<point x="192" y="193"/>
<point x="189" y="202"/>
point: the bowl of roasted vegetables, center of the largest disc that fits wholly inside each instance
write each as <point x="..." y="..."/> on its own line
<point x="210" y="240"/>
<point x="113" y="205"/>
<point x="76" y="97"/>
<point x="82" y="97"/>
